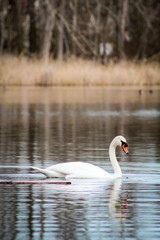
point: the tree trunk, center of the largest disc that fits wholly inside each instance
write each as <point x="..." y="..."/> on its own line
<point x="61" y="32"/>
<point x="47" y="16"/>
<point x="74" y="26"/>
<point x="122" y="13"/>
<point x="97" y="28"/>
<point x="33" y="30"/>
<point x="2" y="17"/>
<point x="19" y="25"/>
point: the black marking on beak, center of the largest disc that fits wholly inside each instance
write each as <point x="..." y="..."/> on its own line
<point x="124" y="143"/>
<point x="124" y="147"/>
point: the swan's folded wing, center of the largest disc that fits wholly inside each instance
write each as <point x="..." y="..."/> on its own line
<point x="66" y="168"/>
<point x="79" y="170"/>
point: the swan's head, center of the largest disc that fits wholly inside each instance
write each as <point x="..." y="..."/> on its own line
<point x="121" y="141"/>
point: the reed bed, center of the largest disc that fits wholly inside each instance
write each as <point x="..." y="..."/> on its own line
<point x="21" y="71"/>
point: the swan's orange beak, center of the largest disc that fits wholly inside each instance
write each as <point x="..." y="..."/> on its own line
<point x="124" y="147"/>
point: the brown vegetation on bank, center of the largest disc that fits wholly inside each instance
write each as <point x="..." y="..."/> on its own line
<point x="21" y="71"/>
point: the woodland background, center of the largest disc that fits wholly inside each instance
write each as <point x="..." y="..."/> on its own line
<point x="93" y="29"/>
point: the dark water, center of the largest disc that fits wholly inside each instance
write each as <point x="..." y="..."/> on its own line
<point x="41" y="127"/>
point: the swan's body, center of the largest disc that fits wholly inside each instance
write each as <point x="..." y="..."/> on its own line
<point x="86" y="170"/>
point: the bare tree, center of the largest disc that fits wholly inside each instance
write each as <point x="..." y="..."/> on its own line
<point x="61" y="31"/>
<point x="148" y="14"/>
<point x="122" y="14"/>
<point x="33" y="38"/>
<point x="74" y="24"/>
<point x="3" y="12"/>
<point x="45" y="22"/>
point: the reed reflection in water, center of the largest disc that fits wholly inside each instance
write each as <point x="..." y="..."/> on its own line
<point x="45" y="126"/>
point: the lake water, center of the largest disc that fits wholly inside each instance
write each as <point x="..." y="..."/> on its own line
<point x="44" y="126"/>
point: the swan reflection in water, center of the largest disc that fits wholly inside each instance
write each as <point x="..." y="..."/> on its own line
<point x="117" y="203"/>
<point x="85" y="204"/>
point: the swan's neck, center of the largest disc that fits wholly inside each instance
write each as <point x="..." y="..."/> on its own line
<point x="115" y="165"/>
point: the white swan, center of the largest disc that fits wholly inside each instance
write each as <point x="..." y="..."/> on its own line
<point x="71" y="170"/>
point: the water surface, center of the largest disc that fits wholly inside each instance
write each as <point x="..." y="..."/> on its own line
<point x="45" y="126"/>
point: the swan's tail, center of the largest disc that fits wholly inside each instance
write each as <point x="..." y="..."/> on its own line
<point x="48" y="173"/>
<point x="40" y="170"/>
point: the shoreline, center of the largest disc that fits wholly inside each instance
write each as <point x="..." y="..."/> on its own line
<point x="77" y="95"/>
<point x="89" y="87"/>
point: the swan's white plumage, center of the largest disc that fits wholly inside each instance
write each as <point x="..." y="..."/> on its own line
<point x="79" y="170"/>
<point x="71" y="170"/>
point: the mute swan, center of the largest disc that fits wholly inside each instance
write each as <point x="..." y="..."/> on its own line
<point x="71" y="170"/>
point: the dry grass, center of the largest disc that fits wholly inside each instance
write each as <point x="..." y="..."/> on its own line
<point x="21" y="71"/>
